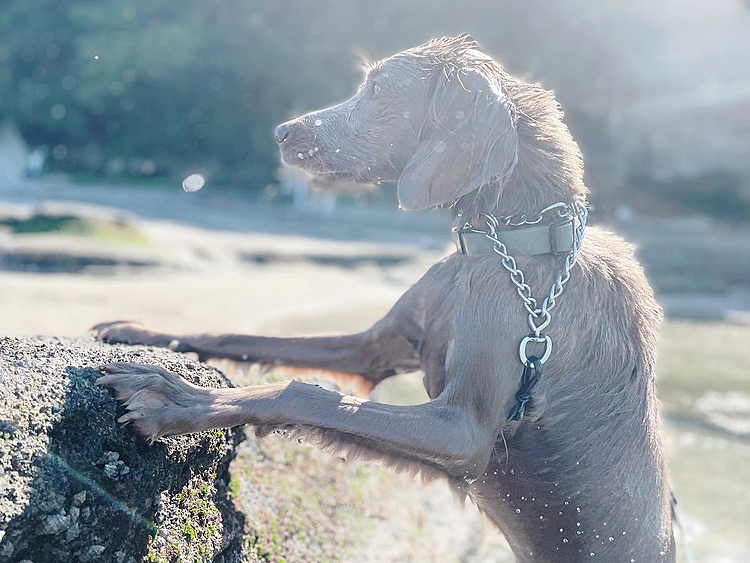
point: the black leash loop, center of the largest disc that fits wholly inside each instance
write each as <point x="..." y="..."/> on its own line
<point x="532" y="373"/>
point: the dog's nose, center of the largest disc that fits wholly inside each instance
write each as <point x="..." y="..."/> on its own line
<point x="282" y="132"/>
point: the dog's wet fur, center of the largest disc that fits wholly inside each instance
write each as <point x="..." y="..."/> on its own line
<point x="582" y="475"/>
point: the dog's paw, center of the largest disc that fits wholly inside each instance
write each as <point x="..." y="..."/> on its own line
<point x="130" y="332"/>
<point x="159" y="402"/>
<point x="118" y="331"/>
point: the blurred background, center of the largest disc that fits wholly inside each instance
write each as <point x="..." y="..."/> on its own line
<point x="106" y="106"/>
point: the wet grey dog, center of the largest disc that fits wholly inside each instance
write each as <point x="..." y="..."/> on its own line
<point x="581" y="475"/>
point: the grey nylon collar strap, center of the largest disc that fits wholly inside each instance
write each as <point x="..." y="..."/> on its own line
<point x="556" y="238"/>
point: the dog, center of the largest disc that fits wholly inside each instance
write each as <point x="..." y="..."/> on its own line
<point x="565" y="457"/>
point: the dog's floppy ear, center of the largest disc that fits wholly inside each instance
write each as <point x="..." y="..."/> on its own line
<point x="468" y="139"/>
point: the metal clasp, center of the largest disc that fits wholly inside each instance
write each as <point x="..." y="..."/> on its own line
<point x="541" y="339"/>
<point x="553" y="238"/>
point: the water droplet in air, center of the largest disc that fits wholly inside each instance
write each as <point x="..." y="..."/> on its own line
<point x="565" y="540"/>
<point x="460" y="115"/>
<point x="318" y="122"/>
<point x="611" y="538"/>
<point x="310" y="152"/>
<point x="518" y="510"/>
<point x="300" y="155"/>
<point x="193" y="183"/>
<point x="338" y="150"/>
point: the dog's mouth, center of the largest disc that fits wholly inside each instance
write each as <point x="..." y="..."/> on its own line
<point x="314" y="162"/>
<point x="319" y="162"/>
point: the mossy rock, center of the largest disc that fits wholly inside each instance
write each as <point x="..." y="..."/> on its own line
<point x="77" y="486"/>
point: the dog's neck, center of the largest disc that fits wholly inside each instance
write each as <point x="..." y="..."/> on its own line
<point x="549" y="167"/>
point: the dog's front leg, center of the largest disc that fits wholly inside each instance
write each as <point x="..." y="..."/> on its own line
<point x="439" y="434"/>
<point x="389" y="347"/>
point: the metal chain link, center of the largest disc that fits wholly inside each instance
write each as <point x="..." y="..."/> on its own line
<point x="539" y="317"/>
<point x="520" y="220"/>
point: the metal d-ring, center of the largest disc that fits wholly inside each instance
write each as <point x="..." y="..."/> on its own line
<point x="542" y="339"/>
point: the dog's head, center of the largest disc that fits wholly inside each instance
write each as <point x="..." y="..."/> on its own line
<point x="434" y="118"/>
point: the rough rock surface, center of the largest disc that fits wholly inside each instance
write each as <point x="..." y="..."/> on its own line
<point x="77" y="486"/>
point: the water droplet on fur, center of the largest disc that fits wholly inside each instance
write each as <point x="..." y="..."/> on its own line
<point x="310" y="152"/>
<point x="460" y="114"/>
<point x="300" y="155"/>
<point x="338" y="150"/>
<point x="193" y="183"/>
<point x="318" y="122"/>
